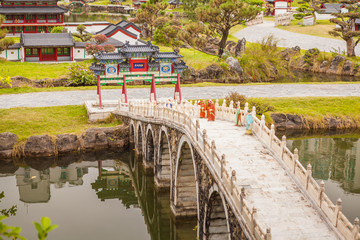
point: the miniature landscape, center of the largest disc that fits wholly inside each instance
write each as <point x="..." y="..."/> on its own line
<point x="181" y="118"/>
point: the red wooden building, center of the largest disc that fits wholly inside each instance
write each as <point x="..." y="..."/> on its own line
<point x="31" y="16"/>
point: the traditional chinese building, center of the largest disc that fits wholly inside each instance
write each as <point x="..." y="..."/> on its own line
<point x="139" y="62"/>
<point x="31" y="16"/>
<point x="276" y="7"/>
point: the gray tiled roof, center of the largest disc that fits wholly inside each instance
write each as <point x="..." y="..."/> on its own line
<point x="47" y="40"/>
<point x="113" y="28"/>
<point x="97" y="67"/>
<point x="109" y="56"/>
<point x="25" y="9"/>
<point x="167" y="55"/>
<point x="180" y="65"/>
<point x="147" y="48"/>
<point x="124" y="65"/>
<point x="112" y="41"/>
<point x="15" y="46"/>
<point x="332" y="7"/>
<point x="357" y="21"/>
<point x="126" y="24"/>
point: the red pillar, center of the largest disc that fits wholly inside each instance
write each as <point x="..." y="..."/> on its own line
<point x="153" y="91"/>
<point x="177" y="95"/>
<point x="99" y="90"/>
<point x="124" y="91"/>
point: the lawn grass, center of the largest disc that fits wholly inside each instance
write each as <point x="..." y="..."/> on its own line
<point x="234" y="30"/>
<point x="33" y="70"/>
<point x="321" y="29"/>
<point x="193" y="58"/>
<point x="101" y="2"/>
<point x="314" y="109"/>
<point x="25" y="122"/>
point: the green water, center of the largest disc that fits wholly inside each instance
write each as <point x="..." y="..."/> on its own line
<point x="90" y="197"/>
<point x="336" y="160"/>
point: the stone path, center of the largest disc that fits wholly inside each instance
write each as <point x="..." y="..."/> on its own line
<point x="279" y="202"/>
<point x="45" y="99"/>
<point x="256" y="33"/>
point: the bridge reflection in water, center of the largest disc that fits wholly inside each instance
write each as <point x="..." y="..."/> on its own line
<point x="123" y="179"/>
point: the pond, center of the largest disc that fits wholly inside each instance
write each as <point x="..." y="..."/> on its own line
<point x="92" y="197"/>
<point x="336" y="161"/>
<point x="303" y="76"/>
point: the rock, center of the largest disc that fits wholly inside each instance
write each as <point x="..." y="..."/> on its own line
<point x="40" y="163"/>
<point x="347" y="67"/>
<point x="94" y="139"/>
<point x="296" y="48"/>
<point x="324" y="64"/>
<point x="333" y="69"/>
<point x="8" y="167"/>
<point x="118" y="137"/>
<point x="287" y="122"/>
<point x="39" y="146"/>
<point x="7" y="142"/>
<point x="293" y="122"/>
<point x="188" y="74"/>
<point x="287" y="53"/>
<point x="214" y="71"/>
<point x="234" y="65"/>
<point x="279" y="121"/>
<point x="67" y="143"/>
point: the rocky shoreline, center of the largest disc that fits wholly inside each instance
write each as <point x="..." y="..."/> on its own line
<point x="93" y="139"/>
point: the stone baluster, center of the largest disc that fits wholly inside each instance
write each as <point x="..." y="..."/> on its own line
<point x="213" y="148"/>
<point x="222" y="165"/>
<point x="242" y="196"/>
<point x="223" y="109"/>
<point x="338" y="209"/>
<point x="262" y="124"/>
<point x="246" y="108"/>
<point x="355" y="229"/>
<point x="119" y="105"/>
<point x="216" y="104"/>
<point x="308" y="175"/>
<point x="268" y="234"/>
<point x="231" y="106"/>
<point x="204" y="139"/>
<point x="283" y="145"/>
<point x="197" y="129"/>
<point x="296" y="158"/>
<point x="272" y="133"/>
<point x="253" y="113"/>
<point x="232" y="182"/>
<point x="253" y="216"/>
<point x="321" y="193"/>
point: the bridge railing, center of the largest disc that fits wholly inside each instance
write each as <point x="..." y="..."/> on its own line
<point x="291" y="160"/>
<point x="183" y="116"/>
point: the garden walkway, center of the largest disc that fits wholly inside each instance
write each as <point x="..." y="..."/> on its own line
<point x="44" y="99"/>
<point x="256" y="33"/>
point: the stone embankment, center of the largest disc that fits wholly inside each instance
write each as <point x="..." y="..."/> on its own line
<point x="93" y="139"/>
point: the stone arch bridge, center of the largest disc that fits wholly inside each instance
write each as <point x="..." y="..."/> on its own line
<point x="242" y="187"/>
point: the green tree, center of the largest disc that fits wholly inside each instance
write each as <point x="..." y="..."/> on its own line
<point x="345" y="26"/>
<point x="81" y="34"/>
<point x="222" y="15"/>
<point x="307" y="8"/>
<point x="4" y="41"/>
<point x="147" y="15"/>
<point x="190" y="6"/>
<point x="57" y="29"/>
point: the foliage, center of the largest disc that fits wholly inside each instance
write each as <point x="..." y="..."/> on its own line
<point x="7" y="212"/>
<point x="191" y="5"/>
<point x="166" y="31"/>
<point x="82" y="34"/>
<point x="235" y="97"/>
<point x="9" y="231"/>
<point x="4" y="42"/>
<point x="222" y="15"/>
<point x="147" y="15"/>
<point x="98" y="46"/>
<point x="345" y="26"/>
<point x="263" y="61"/>
<point x="81" y="75"/>
<point x="26" y="122"/>
<point x="195" y="34"/>
<point x="308" y="8"/>
<point x="57" y="29"/>
<point x="261" y="107"/>
<point x="310" y="55"/>
<point x="44" y="228"/>
<point x="6" y="80"/>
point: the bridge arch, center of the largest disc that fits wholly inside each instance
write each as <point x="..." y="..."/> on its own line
<point x="132" y="132"/>
<point x="216" y="222"/>
<point x="139" y="139"/>
<point x="185" y="183"/>
<point x="163" y="161"/>
<point x="150" y="145"/>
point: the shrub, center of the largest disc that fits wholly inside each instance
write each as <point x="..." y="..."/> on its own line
<point x="236" y="97"/>
<point x="261" y="107"/>
<point x="81" y="75"/>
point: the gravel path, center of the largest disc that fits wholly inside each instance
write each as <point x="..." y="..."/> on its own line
<point x="256" y="33"/>
<point x="45" y="99"/>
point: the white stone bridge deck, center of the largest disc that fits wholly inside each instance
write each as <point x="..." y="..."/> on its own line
<point x="269" y="189"/>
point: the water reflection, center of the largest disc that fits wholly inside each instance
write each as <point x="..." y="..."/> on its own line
<point x="337" y="162"/>
<point x="90" y="192"/>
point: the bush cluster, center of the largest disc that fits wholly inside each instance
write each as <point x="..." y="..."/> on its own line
<point x="81" y="75"/>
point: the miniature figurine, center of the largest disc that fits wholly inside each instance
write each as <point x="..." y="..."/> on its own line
<point x="211" y="111"/>
<point x="249" y="123"/>
<point x="202" y="109"/>
<point x="238" y="115"/>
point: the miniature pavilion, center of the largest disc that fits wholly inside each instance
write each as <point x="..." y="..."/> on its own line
<point x="139" y="62"/>
<point x="31" y="16"/>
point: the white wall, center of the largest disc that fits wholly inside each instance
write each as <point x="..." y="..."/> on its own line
<point x="123" y="38"/>
<point x="280" y="11"/>
<point x="133" y="30"/>
<point x="80" y="54"/>
<point x="11" y="54"/>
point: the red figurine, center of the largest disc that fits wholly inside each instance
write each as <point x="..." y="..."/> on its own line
<point x="211" y="111"/>
<point x="202" y="109"/>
